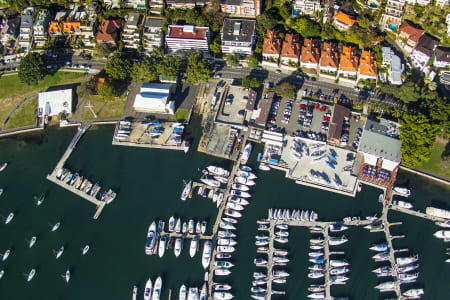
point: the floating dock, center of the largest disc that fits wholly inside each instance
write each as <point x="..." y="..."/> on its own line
<point x="52" y="177"/>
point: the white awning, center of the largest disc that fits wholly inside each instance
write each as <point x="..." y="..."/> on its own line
<point x="389" y="165"/>
<point x="370" y="159"/>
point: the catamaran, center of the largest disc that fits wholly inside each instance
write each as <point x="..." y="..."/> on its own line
<point x="206" y="256"/>
<point x="246" y="153"/>
<point x="186" y="190"/>
<point x="148" y="290"/>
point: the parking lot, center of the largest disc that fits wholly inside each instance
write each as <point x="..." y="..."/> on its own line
<point x="232" y="108"/>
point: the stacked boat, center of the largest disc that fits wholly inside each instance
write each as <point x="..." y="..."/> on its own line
<point x="292" y="215"/>
<point x="123" y="131"/>
<point x="84" y="185"/>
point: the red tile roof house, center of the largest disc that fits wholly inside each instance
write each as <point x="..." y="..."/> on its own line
<point x="329" y="60"/>
<point x="310" y="54"/>
<point x="107" y="31"/>
<point x="271" y="48"/>
<point x="409" y="35"/>
<point x="291" y="51"/>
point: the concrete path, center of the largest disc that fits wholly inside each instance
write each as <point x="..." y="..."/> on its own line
<point x="17" y="107"/>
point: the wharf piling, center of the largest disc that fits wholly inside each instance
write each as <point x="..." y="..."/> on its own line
<point x="53" y="178"/>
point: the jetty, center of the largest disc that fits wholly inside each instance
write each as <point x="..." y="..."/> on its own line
<point x="270" y="259"/>
<point x="204" y="186"/>
<point x="326" y="251"/>
<point x="417" y="213"/>
<point x="53" y="177"/>
<point x="391" y="250"/>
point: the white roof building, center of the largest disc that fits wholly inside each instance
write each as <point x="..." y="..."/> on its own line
<point x="155" y="98"/>
<point x="55" y="102"/>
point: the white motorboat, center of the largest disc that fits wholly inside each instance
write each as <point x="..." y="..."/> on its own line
<point x="226" y="234"/>
<point x="218" y="171"/>
<point x="222" y="287"/>
<point x="257" y="289"/>
<point x="183" y="293"/>
<point x="408" y="277"/>
<point x="193" y="247"/>
<point x="178" y="247"/>
<point x="206" y="256"/>
<point x="259" y="276"/>
<point x="319" y="295"/>
<point x="338" y="278"/>
<point x="223" y="264"/>
<point x="335" y="241"/>
<point x="234" y="206"/>
<point x="60" y="252"/>
<point x="403" y="261"/>
<point x="264" y="167"/>
<point x="66" y="276"/>
<point x="443" y="224"/>
<point x="443" y="234"/>
<point x="245" y="168"/>
<point x="178" y="226"/>
<point x="403" y="204"/>
<point x="338" y="263"/>
<point x="339" y="271"/>
<point x="280" y="273"/>
<point x="240" y="194"/>
<point x="382" y="270"/>
<point x="315" y="275"/>
<point x="219" y="200"/>
<point x="413" y="293"/>
<point x="402" y="191"/>
<point x="222" y="296"/>
<point x="262" y="237"/>
<point x="262" y="243"/>
<point x="316" y="288"/>
<point x="381" y="256"/>
<point x="32" y="241"/>
<point x="85" y="250"/>
<point x="379" y="247"/>
<point x="282" y="226"/>
<point x="315" y="254"/>
<point x="210" y="182"/>
<point x="225" y="249"/>
<point x="204" y="292"/>
<point x="238" y="200"/>
<point x="184" y="227"/>
<point x="31" y="275"/>
<point x="230" y="220"/>
<point x="2" y="272"/>
<point x="282" y="233"/>
<point x="316" y="267"/>
<point x="232" y="213"/>
<point x="259" y="261"/>
<point x="240" y="187"/>
<point x="193" y="294"/>
<point x="337" y="228"/>
<point x="3" y="166"/>
<point x="157" y="289"/>
<point x="9" y="218"/>
<point x="171" y="224"/>
<point x="248" y="175"/>
<point x="162" y="246"/>
<point x="40" y="200"/>
<point x="246" y="153"/>
<point x="211" y="194"/>
<point x="221" y="179"/>
<point x="191" y="226"/>
<point x="281" y="240"/>
<point x="386" y="286"/>
<point x="198" y="227"/>
<point x="408" y="268"/>
<point x="244" y="180"/>
<point x="226" y="225"/>
<point x="186" y="190"/>
<point x="223" y="255"/>
<point x="316" y="247"/>
<point x="6" y="255"/>
<point x="222" y="272"/>
<point x="151" y="239"/>
<point x="203" y="226"/>
<point x="56" y="226"/>
<point x="226" y="242"/>
<point x="279" y="280"/>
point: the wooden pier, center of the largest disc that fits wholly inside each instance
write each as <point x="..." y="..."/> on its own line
<point x="326" y="248"/>
<point x="270" y="260"/>
<point x="204" y="186"/>
<point x="391" y="250"/>
<point x="52" y="177"/>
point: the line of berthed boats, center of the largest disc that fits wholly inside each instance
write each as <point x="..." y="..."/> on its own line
<point x="83" y="184"/>
<point x="292" y="215"/>
<point x="158" y="242"/>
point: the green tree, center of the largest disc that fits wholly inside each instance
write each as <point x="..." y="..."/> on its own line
<point x="85" y="89"/>
<point x="144" y="70"/>
<point x="216" y="47"/>
<point x="31" y="68"/>
<point x="197" y="69"/>
<point x="233" y="59"/>
<point x="110" y="88"/>
<point x="252" y="61"/>
<point x="102" y="51"/>
<point x="169" y="66"/>
<point x="118" y="67"/>
<point x="417" y="136"/>
<point x="251" y="82"/>
<point x="364" y="23"/>
<point x="265" y="21"/>
<point x="286" y="89"/>
<point x="408" y="92"/>
<point x="307" y="27"/>
<point x="439" y="111"/>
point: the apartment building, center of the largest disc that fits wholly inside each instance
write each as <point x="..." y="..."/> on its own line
<point x="441" y="57"/>
<point x="26" y="30"/>
<point x="187" y="37"/>
<point x="40" y="28"/>
<point x="138" y="4"/>
<point x="130" y="34"/>
<point x="238" y="36"/>
<point x="392" y="15"/>
<point x="241" y="7"/>
<point x="441" y="3"/>
<point x="305" y="7"/>
<point x="423" y="51"/>
<point x="152" y="34"/>
<point x="394" y="64"/>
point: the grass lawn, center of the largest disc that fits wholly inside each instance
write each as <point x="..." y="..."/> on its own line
<point x="104" y="108"/>
<point x="181" y="115"/>
<point x="12" y="91"/>
<point x="433" y="165"/>
<point x="24" y="116"/>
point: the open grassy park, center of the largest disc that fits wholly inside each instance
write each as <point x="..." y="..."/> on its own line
<point x="12" y="91"/>
<point x="434" y="164"/>
<point x="110" y="108"/>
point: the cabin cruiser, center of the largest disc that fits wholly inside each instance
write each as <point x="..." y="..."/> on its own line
<point x="222" y="296"/>
<point x="245" y="174"/>
<point x="406" y="277"/>
<point x="191" y="226"/>
<point x="222" y="287"/>
<point x="60" y="252"/>
<point x="244" y="180"/>
<point x="315" y="254"/>
<point x="315" y="275"/>
<point x="237" y="200"/>
<point x="259" y="261"/>
<point x="403" y="204"/>
<point x="443" y="234"/>
<point x="338" y="278"/>
<point x="218" y="171"/>
<point x="335" y="241"/>
<point x="246" y="153"/>
<point x="319" y="295"/>
<point x="314" y="288"/>
<point x="223" y="255"/>
<point x="262" y="243"/>
<point x="280" y="273"/>
<point x="223" y="264"/>
<point x="338" y="263"/>
<point x="240" y="194"/>
<point x="3" y="166"/>
<point x="316" y="267"/>
<point x="413" y="293"/>
<point x="204" y="292"/>
<point x="178" y="247"/>
<point x="222" y="272"/>
<point x="32" y="241"/>
<point x="193" y="247"/>
<point x="234" y="206"/>
<point x="210" y="182"/>
<point x="226" y="234"/>
<point x="232" y="213"/>
<point x="259" y="276"/>
<point x="151" y="239"/>
<point x="171" y="224"/>
<point x="31" y="275"/>
<point x="402" y="191"/>
<point x="383" y="270"/>
<point x="186" y="190"/>
<point x="206" y="256"/>
<point x="240" y="187"/>
<point x="379" y="247"/>
<point x="226" y="242"/>
<point x="337" y="228"/>
<point x="183" y="293"/>
<point x="280" y="252"/>
<point x="162" y="246"/>
<point x="339" y="271"/>
<point x="221" y="179"/>
<point x="381" y="256"/>
<point x="282" y="233"/>
<point x="157" y="289"/>
<point x="225" y="249"/>
<point x="226" y="225"/>
<point x="408" y="268"/>
<point x="403" y="261"/>
<point x="257" y="289"/>
<point x="386" y="286"/>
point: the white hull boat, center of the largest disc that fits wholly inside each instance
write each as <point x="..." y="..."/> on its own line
<point x="206" y="256"/>
<point x="183" y="293"/>
<point x="237" y="200"/>
<point x="240" y="187"/>
<point x="31" y="275"/>
<point x="225" y="249"/>
<point x="193" y="247"/>
<point x="246" y="153"/>
<point x="162" y="246"/>
<point x="32" y="241"/>
<point x="60" y="252"/>
<point x="218" y="171"/>
<point x="244" y="180"/>
<point x="210" y="182"/>
<point x="85" y="250"/>
<point x="240" y="194"/>
<point x="222" y="272"/>
<point x="234" y="206"/>
<point x="178" y="247"/>
<point x="157" y="289"/>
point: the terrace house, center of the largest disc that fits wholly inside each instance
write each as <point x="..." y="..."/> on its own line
<point x="329" y="59"/>
<point x="309" y="58"/>
<point x="291" y="50"/>
<point x="271" y="47"/>
<point x="348" y="66"/>
<point x="367" y="65"/>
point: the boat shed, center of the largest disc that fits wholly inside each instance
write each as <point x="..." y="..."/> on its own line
<point x="55" y="102"/>
<point x="155" y="98"/>
<point x="340" y="113"/>
<point x="262" y="113"/>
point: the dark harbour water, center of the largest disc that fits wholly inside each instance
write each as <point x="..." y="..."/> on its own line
<point x="149" y="183"/>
